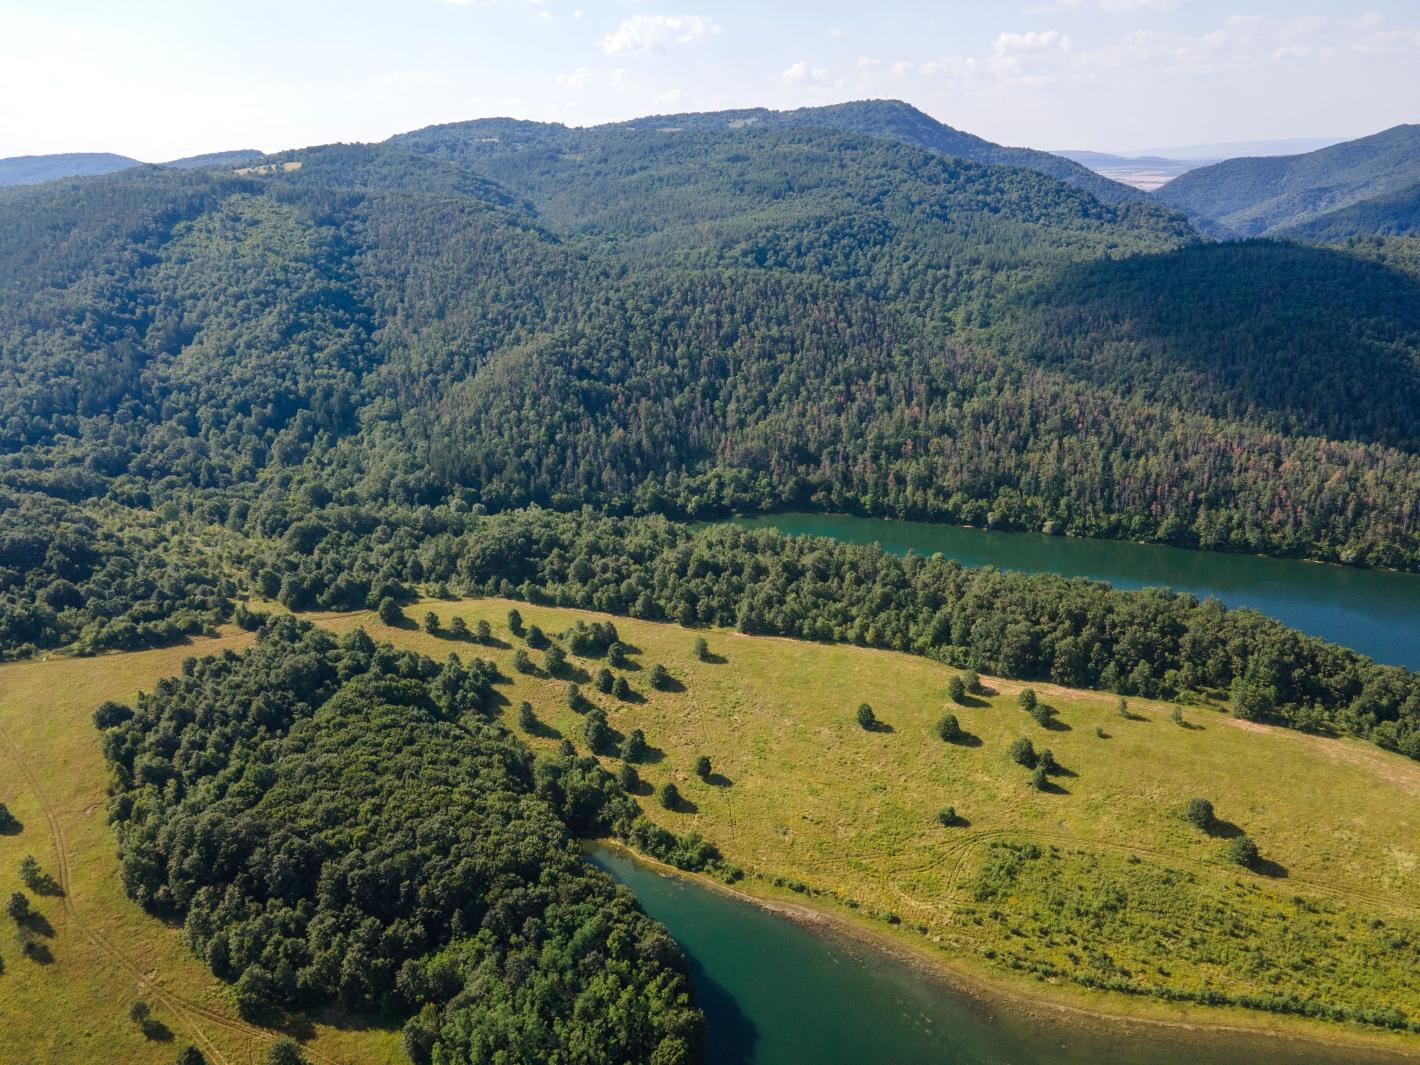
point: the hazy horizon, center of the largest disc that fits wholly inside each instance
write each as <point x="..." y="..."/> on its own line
<point x="160" y="80"/>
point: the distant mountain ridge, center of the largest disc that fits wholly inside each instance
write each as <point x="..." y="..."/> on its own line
<point x="36" y="169"/>
<point x="1278" y="194"/>
<point x="891" y="119"/>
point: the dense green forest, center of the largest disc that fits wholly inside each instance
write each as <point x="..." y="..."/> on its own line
<point x="335" y="821"/>
<point x="697" y="322"/>
<point x="214" y="383"/>
<point x="1279" y="194"/>
<point x="1077" y="633"/>
<point x="1389" y="214"/>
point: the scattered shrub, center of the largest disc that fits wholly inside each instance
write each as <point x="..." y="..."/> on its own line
<point x="866" y="718"/>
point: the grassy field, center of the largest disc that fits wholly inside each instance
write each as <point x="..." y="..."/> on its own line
<point x="1114" y="888"/>
<point x="104" y="952"/>
<point x="1098" y="879"/>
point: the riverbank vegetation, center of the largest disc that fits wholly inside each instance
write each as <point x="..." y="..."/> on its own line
<point x="338" y="823"/>
<point x="1100" y="879"/>
<point x="1077" y="633"/>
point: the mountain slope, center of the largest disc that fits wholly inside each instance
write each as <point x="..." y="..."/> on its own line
<point x="1248" y="197"/>
<point x="879" y="118"/>
<point x="234" y="158"/>
<point x="34" y="169"/>
<point x="1389" y="214"/>
<point x="687" y="322"/>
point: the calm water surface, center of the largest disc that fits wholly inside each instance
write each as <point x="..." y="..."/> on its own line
<point x="776" y="993"/>
<point x="1376" y="612"/>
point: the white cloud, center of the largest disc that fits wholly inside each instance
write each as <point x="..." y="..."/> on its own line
<point x="577" y="79"/>
<point x="650" y="33"/>
<point x="803" y="74"/>
<point x="669" y="98"/>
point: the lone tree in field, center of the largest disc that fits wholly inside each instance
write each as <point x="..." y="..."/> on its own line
<point x="31" y="873"/>
<point x="1042" y="714"/>
<point x="947" y="816"/>
<point x="669" y="796"/>
<point x="949" y="728"/>
<point x="284" y="1052"/>
<point x="628" y="778"/>
<point x="1199" y="813"/>
<point x="1243" y="851"/>
<point x="18" y="907"/>
<point x="537" y="639"/>
<point x="521" y="662"/>
<point x="7" y="819"/>
<point x="390" y="612"/>
<point x="956" y="690"/>
<point x="515" y="622"/>
<point x="1177" y="717"/>
<point x="1039" y="778"/>
<point x="431" y="623"/>
<point x="660" y="677"/>
<point x="972" y="681"/>
<point x="1027" y="699"/>
<point x="576" y="701"/>
<point x="866" y="718"/>
<point x="458" y="627"/>
<point x="596" y="730"/>
<point x="139" y="1013"/>
<point x="1022" y="752"/>
<point x="634" y="747"/>
<point x="1122" y="708"/>
<point x="621" y="689"/>
<point x="604" y="680"/>
<point x="190" y="1055"/>
<point x="1046" y="760"/>
<point x="702" y="649"/>
<point x="484" y="630"/>
<point x="702" y="767"/>
<point x="554" y="659"/>
<point x="527" y="720"/>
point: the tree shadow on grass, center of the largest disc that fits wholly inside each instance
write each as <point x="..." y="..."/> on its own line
<point x="1268" y="868"/>
<point x="39" y="924"/>
<point x="718" y="780"/>
<point x="966" y="739"/>
<point x="710" y="658"/>
<point x="1220" y="829"/>
<point x="156" y="1030"/>
<point x="44" y="884"/>
<point x="653" y="756"/>
<point x="670" y="684"/>
<point x="972" y="701"/>
<point x="544" y="731"/>
<point x="879" y="726"/>
<point x="683" y="805"/>
<point x="1052" y="788"/>
<point x="958" y="822"/>
<point x="1054" y="724"/>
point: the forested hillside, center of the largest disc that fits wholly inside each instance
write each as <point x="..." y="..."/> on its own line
<point x="1278" y="194"/>
<point x="341" y="822"/>
<point x="1389" y="214"/>
<point x="199" y="367"/>
<point x="890" y="119"/>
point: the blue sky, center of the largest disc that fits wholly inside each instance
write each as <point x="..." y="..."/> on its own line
<point x="158" y="79"/>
